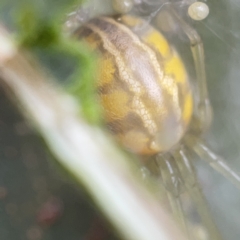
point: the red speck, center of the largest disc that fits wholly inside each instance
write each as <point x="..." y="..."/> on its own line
<point x="3" y="192"/>
<point x="50" y="211"/>
<point x="97" y="231"/>
<point x="34" y="233"/>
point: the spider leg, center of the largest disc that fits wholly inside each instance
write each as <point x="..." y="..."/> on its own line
<point x="183" y="160"/>
<point x="202" y="117"/>
<point x="202" y="112"/>
<point x="173" y="184"/>
<point x="213" y="159"/>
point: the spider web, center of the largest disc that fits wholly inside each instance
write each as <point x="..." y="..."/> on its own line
<point x="221" y="37"/>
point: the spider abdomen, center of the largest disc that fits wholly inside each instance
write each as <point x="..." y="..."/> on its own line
<point x="142" y="83"/>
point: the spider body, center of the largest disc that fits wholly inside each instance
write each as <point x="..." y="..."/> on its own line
<point x="142" y="84"/>
<point x="149" y="107"/>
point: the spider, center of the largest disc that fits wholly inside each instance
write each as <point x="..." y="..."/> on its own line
<point x="148" y="99"/>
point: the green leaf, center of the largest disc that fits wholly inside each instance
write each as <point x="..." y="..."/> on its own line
<point x="38" y="25"/>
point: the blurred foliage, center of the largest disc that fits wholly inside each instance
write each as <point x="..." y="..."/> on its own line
<point x="38" y="26"/>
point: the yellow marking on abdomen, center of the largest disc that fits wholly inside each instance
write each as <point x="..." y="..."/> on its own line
<point x="174" y="67"/>
<point x="187" y="108"/>
<point x="107" y="69"/>
<point x="157" y="41"/>
<point x="116" y="105"/>
<point x="131" y="21"/>
<point x="136" y="141"/>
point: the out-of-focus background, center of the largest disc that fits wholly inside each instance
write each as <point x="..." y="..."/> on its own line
<point x="221" y="36"/>
<point x="38" y="201"/>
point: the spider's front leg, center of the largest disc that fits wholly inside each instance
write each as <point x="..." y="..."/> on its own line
<point x="78" y="17"/>
<point x="202" y="116"/>
<point x="183" y="160"/>
<point x="179" y="177"/>
<point x="173" y="183"/>
<point x="214" y="160"/>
